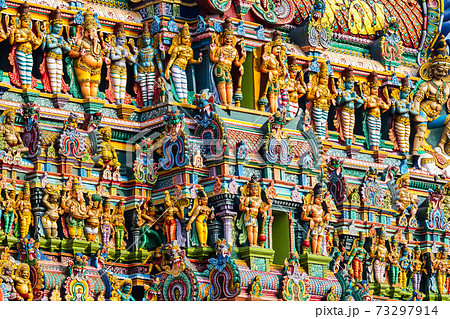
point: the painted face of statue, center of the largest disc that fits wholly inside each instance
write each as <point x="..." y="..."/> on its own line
<point x="126" y="288"/>
<point x="374" y="91"/>
<point x="26" y="196"/>
<point x="185" y="40"/>
<point x="204" y="200"/>
<point x="90" y="33"/>
<point x="440" y="71"/>
<point x="323" y="81"/>
<point x="404" y="94"/>
<point x="293" y="74"/>
<point x="26" y="23"/>
<point x="25" y="274"/>
<point x="106" y="136"/>
<point x="54" y="198"/>
<point x="56" y="28"/>
<point x="10" y="119"/>
<point x="348" y="85"/>
<point x="146" y="41"/>
<point x="253" y="190"/>
<point x="78" y="195"/>
<point x="318" y="199"/>
<point x="228" y="39"/>
<point x="276" y="49"/>
<point x="120" y="41"/>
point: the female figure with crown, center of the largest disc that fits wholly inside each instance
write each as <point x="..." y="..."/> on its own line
<point x="200" y="214"/>
<point x="23" y="207"/>
<point x="88" y="55"/>
<point x="431" y="95"/>
<point x="321" y="97"/>
<point x="120" y="56"/>
<point x="150" y="54"/>
<point x="348" y="101"/>
<point x="54" y="45"/>
<point x="273" y="64"/>
<point x="295" y="86"/>
<point x="379" y="252"/>
<point x="23" y="42"/>
<point x="181" y="54"/>
<point x="224" y="54"/>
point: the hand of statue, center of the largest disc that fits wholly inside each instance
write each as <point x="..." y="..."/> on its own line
<point x="241" y="69"/>
<point x="188" y="227"/>
<point x="83" y="52"/>
<point x="212" y="46"/>
<point x="200" y="58"/>
<point x="107" y="61"/>
<point x="167" y="74"/>
<point x="137" y="79"/>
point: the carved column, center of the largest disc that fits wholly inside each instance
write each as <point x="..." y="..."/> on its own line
<point x="37" y="193"/>
<point x="225" y="210"/>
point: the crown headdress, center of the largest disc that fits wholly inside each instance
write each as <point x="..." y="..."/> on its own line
<point x="76" y="184"/>
<point x="405" y="85"/>
<point x="347" y="74"/>
<point x="372" y="80"/>
<point x="24" y="12"/>
<point x="119" y="30"/>
<point x="227" y="27"/>
<point x="56" y="17"/>
<point x="440" y="55"/>
<point x="89" y="21"/>
<point x="276" y="38"/>
<point x="185" y="31"/>
<point x="145" y="30"/>
<point x="323" y="73"/>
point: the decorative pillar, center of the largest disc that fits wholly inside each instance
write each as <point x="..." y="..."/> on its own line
<point x="37" y="193"/>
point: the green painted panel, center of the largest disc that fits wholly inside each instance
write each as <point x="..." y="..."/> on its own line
<point x="247" y="83"/>
<point x="280" y="237"/>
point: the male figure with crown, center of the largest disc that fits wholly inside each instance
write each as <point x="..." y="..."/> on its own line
<point x="76" y="211"/>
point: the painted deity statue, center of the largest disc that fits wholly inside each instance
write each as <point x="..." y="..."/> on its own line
<point x="322" y="98"/>
<point x="150" y="54"/>
<point x="348" y="101"/>
<point x="402" y="107"/>
<point x="93" y="220"/>
<point x="181" y="54"/>
<point x="12" y="141"/>
<point x="431" y="96"/>
<point x="74" y="207"/>
<point x="200" y="214"/>
<point x="9" y="208"/>
<point x="252" y="205"/>
<point x="406" y="202"/>
<point x="147" y="220"/>
<point x="295" y="86"/>
<point x="7" y="267"/>
<point x="106" y="223"/>
<point x="122" y="290"/>
<point x="51" y="202"/>
<point x="357" y="256"/>
<point x="108" y="155"/>
<point x="24" y="41"/>
<point x="88" y="54"/>
<point x="405" y="266"/>
<point x="22" y="282"/>
<point x="120" y="56"/>
<point x="314" y="213"/>
<point x="417" y="265"/>
<point x="224" y="54"/>
<point x="171" y="210"/>
<point x="379" y="252"/>
<point x="54" y="46"/>
<point x="442" y="267"/>
<point x="118" y="221"/>
<point x="5" y="33"/>
<point x="23" y="209"/>
<point x="374" y="105"/>
<point x="393" y="259"/>
<point x="273" y="61"/>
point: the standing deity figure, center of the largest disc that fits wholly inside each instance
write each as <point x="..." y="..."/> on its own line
<point x="393" y="259"/>
<point x="88" y="54"/>
<point x="401" y="107"/>
<point x="417" y="265"/>
<point x="122" y="290"/>
<point x="252" y="205"/>
<point x="54" y="45"/>
<point x="93" y="220"/>
<point x="147" y="220"/>
<point x="23" y="209"/>
<point x="405" y="266"/>
<point x="12" y="141"/>
<point x="318" y="216"/>
<point x="379" y="252"/>
<point x="108" y="155"/>
<point x="9" y="208"/>
<point x="22" y="282"/>
<point x="200" y="214"/>
<point x="357" y="256"/>
<point x="106" y="223"/>
<point x="51" y="202"/>
<point x="120" y="56"/>
<point x="150" y="54"/>
<point x="224" y="54"/>
<point x="348" y="101"/>
<point x="23" y="42"/>
<point x="295" y="86"/>
<point x="431" y="96"/>
<point x="118" y="221"/>
<point x="74" y="207"/>
<point x="374" y="106"/>
<point x="442" y="267"/>
<point x="322" y="98"/>
<point x="181" y="54"/>
<point x="273" y="63"/>
<point x="171" y="210"/>
<point x="406" y="202"/>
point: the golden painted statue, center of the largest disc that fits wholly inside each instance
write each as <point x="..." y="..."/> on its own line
<point x="393" y="259"/>
<point x="431" y="96"/>
<point x="22" y="282"/>
<point x="406" y="203"/>
<point x="149" y="238"/>
<point x="295" y="86"/>
<point x="172" y="208"/>
<point x="442" y="267"/>
<point x="23" y="208"/>
<point x="118" y="221"/>
<point x="224" y="54"/>
<point x="108" y="155"/>
<point x="9" y="208"/>
<point x="322" y="98"/>
<point x="273" y="64"/>
<point x="252" y="205"/>
<point x="405" y="266"/>
<point x="10" y="136"/>
<point x="122" y="290"/>
<point x="378" y="252"/>
<point x="200" y="214"/>
<point x="313" y="212"/>
<point x="92" y="222"/>
<point x="417" y="265"/>
<point x="88" y="54"/>
<point x="74" y="207"/>
<point x="181" y="54"/>
<point x="51" y="202"/>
